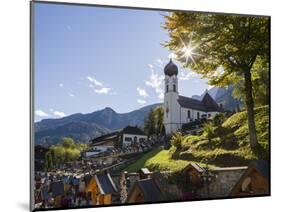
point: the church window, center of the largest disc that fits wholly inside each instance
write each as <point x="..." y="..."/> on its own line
<point x="167" y="88"/>
<point x="174" y="87"/>
<point x="188" y="114"/>
<point x="198" y="115"/>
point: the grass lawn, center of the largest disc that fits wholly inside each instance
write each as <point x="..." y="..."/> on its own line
<point x="230" y="148"/>
<point x="158" y="159"/>
<point x="141" y="162"/>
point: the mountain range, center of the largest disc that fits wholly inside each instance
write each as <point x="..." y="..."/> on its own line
<point x="83" y="127"/>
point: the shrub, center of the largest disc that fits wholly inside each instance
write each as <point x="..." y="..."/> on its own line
<point x="176" y="140"/>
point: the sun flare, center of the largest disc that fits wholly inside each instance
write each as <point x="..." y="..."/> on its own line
<point x="188" y="51"/>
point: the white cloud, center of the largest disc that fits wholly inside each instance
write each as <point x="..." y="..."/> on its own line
<point x="156" y="82"/>
<point x="91" y="86"/>
<point x="142" y="92"/>
<point x="96" y="82"/>
<point x="61" y="85"/>
<point x="102" y="90"/>
<point x="150" y="66"/>
<point x="160" y="63"/>
<point x="141" y="101"/>
<point x="59" y="114"/>
<point x="161" y="96"/>
<point x="41" y="113"/>
<point x="71" y="94"/>
<point x="184" y="75"/>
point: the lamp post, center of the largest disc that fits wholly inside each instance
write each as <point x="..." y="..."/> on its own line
<point x="207" y="178"/>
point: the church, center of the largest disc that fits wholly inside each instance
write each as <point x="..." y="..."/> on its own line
<point x="179" y="110"/>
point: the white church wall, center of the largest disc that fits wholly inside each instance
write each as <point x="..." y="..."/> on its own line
<point x="193" y="114"/>
<point x="172" y="117"/>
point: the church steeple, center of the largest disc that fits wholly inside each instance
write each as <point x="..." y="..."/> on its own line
<point x="171" y="117"/>
<point x="171" y="69"/>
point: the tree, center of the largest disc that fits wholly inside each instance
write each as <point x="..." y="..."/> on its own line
<point x="48" y="162"/>
<point x="176" y="140"/>
<point x="149" y="124"/>
<point x="221" y="48"/>
<point x="260" y="80"/>
<point x="159" y="120"/>
<point x="65" y="151"/>
<point x="209" y="130"/>
<point x="154" y="122"/>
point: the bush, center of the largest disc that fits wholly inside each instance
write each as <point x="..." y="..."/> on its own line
<point x="177" y="139"/>
<point x="209" y="131"/>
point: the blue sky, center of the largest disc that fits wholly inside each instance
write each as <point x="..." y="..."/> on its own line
<point x="89" y="58"/>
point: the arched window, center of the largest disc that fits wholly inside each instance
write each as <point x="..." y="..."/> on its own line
<point x="174" y="87"/>
<point x="198" y="115"/>
<point x="188" y="114"/>
<point x="167" y="88"/>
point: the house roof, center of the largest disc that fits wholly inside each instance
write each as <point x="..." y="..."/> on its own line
<point x="106" y="137"/>
<point x="160" y="180"/>
<point x="262" y="166"/>
<point x="57" y="188"/>
<point x="145" y="171"/>
<point x="195" y="166"/>
<point x="132" y="130"/>
<point x="207" y="104"/>
<point x="150" y="190"/>
<point x="111" y="136"/>
<point x="106" y="184"/>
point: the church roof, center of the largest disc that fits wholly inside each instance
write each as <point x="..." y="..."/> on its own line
<point x="171" y="69"/>
<point x="207" y="104"/>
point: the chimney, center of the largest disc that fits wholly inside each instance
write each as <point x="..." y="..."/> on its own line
<point x="123" y="187"/>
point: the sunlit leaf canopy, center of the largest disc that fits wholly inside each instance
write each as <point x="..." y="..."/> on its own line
<point x="206" y="42"/>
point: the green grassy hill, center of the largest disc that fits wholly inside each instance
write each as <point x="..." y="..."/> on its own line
<point x="229" y="146"/>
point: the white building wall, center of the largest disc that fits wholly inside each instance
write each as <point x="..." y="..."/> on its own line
<point x="193" y="114"/>
<point x="132" y="136"/>
<point x="171" y="105"/>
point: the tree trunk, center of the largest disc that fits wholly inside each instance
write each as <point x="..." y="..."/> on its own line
<point x="250" y="108"/>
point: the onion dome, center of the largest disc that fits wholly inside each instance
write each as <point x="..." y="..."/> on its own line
<point x="171" y="69"/>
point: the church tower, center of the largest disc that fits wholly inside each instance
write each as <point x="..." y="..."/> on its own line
<point x="171" y="106"/>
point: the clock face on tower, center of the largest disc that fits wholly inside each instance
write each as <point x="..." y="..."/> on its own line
<point x="174" y="80"/>
<point x="167" y="81"/>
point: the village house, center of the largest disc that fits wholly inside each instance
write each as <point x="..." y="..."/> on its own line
<point x="193" y="172"/>
<point x="179" y="110"/>
<point x="121" y="138"/>
<point x="57" y="189"/>
<point x="152" y="187"/>
<point x="145" y="190"/>
<point x="211" y="182"/>
<point x="255" y="181"/>
<point x="102" y="189"/>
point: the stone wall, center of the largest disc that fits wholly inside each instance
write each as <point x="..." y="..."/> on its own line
<point x="223" y="182"/>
